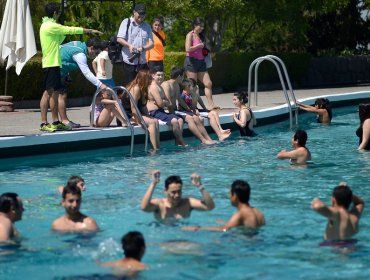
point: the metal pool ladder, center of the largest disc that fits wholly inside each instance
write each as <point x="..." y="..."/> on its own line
<point x="289" y="96"/>
<point x="143" y="124"/>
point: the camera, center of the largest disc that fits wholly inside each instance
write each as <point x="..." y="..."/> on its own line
<point x="135" y="55"/>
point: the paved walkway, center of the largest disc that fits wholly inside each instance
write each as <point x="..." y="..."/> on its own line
<point x="27" y="121"/>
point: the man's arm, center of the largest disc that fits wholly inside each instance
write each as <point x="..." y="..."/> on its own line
<point x="91" y="224"/>
<point x="154" y="91"/>
<point x="81" y="61"/>
<point x="358" y="205"/>
<point x="207" y="203"/>
<point x="167" y="91"/>
<point x="147" y="204"/>
<point x="283" y="154"/>
<point x="5" y="230"/>
<point x="234" y="221"/>
<point x="318" y="206"/>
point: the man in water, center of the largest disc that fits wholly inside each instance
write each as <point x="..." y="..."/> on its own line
<point x="246" y="215"/>
<point x="174" y="206"/>
<point x="300" y="155"/>
<point x="73" y="220"/>
<point x="11" y="210"/>
<point x="133" y="245"/>
<point x="342" y="222"/>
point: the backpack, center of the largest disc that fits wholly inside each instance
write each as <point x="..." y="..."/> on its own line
<point x="115" y="48"/>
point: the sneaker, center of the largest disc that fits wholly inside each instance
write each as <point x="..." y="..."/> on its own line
<point x="47" y="127"/>
<point x="72" y="124"/>
<point x="60" y="126"/>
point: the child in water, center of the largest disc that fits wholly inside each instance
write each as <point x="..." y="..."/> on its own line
<point x="322" y="108"/>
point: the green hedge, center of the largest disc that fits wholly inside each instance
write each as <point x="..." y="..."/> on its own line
<point x="229" y="72"/>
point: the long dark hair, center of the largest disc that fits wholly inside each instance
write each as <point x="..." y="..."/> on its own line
<point x="199" y="21"/>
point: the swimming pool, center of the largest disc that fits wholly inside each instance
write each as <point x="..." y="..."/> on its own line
<point x="286" y="248"/>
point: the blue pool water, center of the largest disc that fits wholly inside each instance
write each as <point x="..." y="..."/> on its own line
<point x="286" y="248"/>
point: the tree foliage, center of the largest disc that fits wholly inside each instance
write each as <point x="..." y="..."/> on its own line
<point x="316" y="26"/>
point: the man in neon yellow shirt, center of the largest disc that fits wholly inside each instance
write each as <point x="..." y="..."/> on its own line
<point x="52" y="35"/>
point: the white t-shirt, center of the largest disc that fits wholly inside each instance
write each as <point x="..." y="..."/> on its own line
<point x="103" y="55"/>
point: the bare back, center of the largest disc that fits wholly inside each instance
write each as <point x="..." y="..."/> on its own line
<point x="342" y="226"/>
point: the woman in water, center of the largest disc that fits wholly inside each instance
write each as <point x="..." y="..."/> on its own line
<point x="363" y="132"/>
<point x="245" y="118"/>
<point x="322" y="108"/>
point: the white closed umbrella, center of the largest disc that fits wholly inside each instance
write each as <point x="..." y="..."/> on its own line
<point x="17" y="39"/>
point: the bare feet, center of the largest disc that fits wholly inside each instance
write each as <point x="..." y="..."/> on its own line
<point x="224" y="134"/>
<point x="209" y="142"/>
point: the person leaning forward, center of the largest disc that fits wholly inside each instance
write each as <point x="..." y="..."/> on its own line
<point x="136" y="38"/>
<point x="52" y="35"/>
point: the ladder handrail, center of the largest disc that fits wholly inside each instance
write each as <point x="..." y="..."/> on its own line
<point x="92" y="114"/>
<point x="143" y="124"/>
<point x="277" y="63"/>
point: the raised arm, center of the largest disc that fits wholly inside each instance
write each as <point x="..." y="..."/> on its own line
<point x="358" y="205"/>
<point x="203" y="205"/>
<point x="318" y="206"/>
<point x="147" y="204"/>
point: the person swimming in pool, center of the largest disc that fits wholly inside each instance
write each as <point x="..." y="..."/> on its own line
<point x="11" y="210"/>
<point x="73" y="220"/>
<point x="174" y="206"/>
<point x="343" y="223"/>
<point x="300" y="155"/>
<point x="76" y="181"/>
<point x="363" y="132"/>
<point x="322" y="108"/>
<point x="133" y="245"/>
<point x="246" y="215"/>
<point x="245" y="118"/>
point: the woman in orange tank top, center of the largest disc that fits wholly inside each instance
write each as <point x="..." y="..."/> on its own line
<point x="155" y="56"/>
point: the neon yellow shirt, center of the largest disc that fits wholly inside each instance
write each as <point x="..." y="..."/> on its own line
<point x="52" y="34"/>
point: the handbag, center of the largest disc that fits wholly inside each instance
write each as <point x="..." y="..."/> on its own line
<point x="208" y="61"/>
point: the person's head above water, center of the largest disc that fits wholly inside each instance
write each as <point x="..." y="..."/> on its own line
<point x="241" y="190"/>
<point x="301" y="137"/>
<point x="133" y="245"/>
<point x="364" y="111"/>
<point x="343" y="195"/>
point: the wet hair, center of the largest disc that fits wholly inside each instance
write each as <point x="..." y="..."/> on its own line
<point x="343" y="195"/>
<point x="364" y="111"/>
<point x="301" y="136"/>
<point x="186" y="83"/>
<point x="199" y="21"/>
<point x="74" y="180"/>
<point x="156" y="69"/>
<point x="242" y="95"/>
<point x="172" y="179"/>
<point x="51" y="8"/>
<point x="242" y="190"/>
<point x="8" y="201"/>
<point x="176" y="72"/>
<point x="133" y="244"/>
<point x="142" y="80"/>
<point x="324" y="103"/>
<point x="160" y="19"/>
<point x="71" y="189"/>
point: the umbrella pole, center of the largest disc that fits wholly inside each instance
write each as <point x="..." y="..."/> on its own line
<point x="6" y="82"/>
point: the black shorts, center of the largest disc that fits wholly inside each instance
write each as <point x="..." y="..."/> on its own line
<point x="156" y="63"/>
<point x="52" y="78"/>
<point x="195" y="65"/>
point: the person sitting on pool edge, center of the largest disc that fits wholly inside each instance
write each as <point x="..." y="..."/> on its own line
<point x="246" y="215"/>
<point x="322" y="108"/>
<point x="343" y="223"/>
<point x="133" y="246"/>
<point x="174" y="206"/>
<point x="76" y="181"/>
<point x="11" y="210"/>
<point x="300" y="155"/>
<point x="73" y="220"/>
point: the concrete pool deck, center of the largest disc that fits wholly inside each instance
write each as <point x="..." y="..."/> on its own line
<point x="20" y="134"/>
